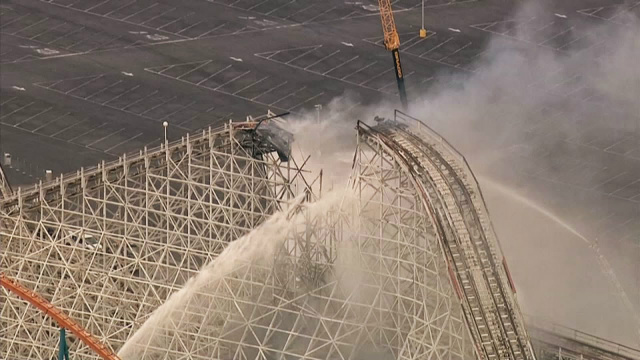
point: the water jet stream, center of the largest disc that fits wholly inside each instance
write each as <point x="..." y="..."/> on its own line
<point x="193" y="301"/>
<point x="605" y="267"/>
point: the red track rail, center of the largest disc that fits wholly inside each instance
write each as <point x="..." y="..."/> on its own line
<point x="63" y="319"/>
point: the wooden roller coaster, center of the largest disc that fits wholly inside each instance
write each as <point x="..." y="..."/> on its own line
<point x="61" y="318"/>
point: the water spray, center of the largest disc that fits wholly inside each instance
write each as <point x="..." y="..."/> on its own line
<point x="605" y="267"/>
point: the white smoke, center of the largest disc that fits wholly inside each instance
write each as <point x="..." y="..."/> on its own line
<point x="539" y="102"/>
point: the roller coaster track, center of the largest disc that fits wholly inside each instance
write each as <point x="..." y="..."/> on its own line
<point x="61" y="318"/>
<point x="477" y="269"/>
<point x="146" y="160"/>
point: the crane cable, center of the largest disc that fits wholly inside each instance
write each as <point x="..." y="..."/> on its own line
<point x="60" y="317"/>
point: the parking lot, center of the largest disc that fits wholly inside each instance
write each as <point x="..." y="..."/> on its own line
<point x="307" y="11"/>
<point x="244" y="83"/>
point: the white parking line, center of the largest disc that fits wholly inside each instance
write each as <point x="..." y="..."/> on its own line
<point x="137" y="101"/>
<point x="67" y="34"/>
<point x="8" y="101"/>
<point x="291" y="94"/>
<point x="268" y="55"/>
<point x="194" y="69"/>
<point x="250" y="85"/>
<point x="425" y="80"/>
<point x="47" y="30"/>
<point x="174" y="21"/>
<point x="72" y="4"/>
<point x="124" y="109"/>
<point x="117" y="9"/>
<point x="545" y="26"/>
<point x="123" y="142"/>
<point x="361" y="69"/>
<point x="179" y="109"/>
<point x="84" y="83"/>
<point x="105" y="137"/>
<point x="455" y="52"/>
<point x="30" y="26"/>
<point x="124" y="20"/>
<point x="213" y="89"/>
<point x="189" y="27"/>
<point x="164" y="102"/>
<point x="578" y="38"/>
<point x="375" y="77"/>
<point x="16" y="110"/>
<point x="557" y="35"/>
<point x="280" y="7"/>
<point x="212" y="75"/>
<point x="394" y="82"/>
<point x="156" y="141"/>
<point x="103" y="90"/>
<point x="625" y="138"/>
<point x="268" y="91"/>
<point x="120" y="95"/>
<point x="163" y="70"/>
<point x="317" y="16"/>
<point x="140" y="11"/>
<point x="157" y="16"/>
<point x="243" y="29"/>
<point x="88" y="132"/>
<point x="95" y="6"/>
<point x="333" y="53"/>
<point x="306" y="101"/>
<point x="435" y="47"/>
<point x="68" y="127"/>
<point x="627" y="186"/>
<point x="136" y="43"/>
<point x="80" y="41"/>
<point x="196" y="115"/>
<point x="258" y="4"/>
<point x="406" y="48"/>
<point x="23" y="58"/>
<point x="49" y="122"/>
<point x="234" y="79"/>
<point x="607" y="180"/>
<point x="49" y="136"/>
<point x="343" y="63"/>
<point x="349" y="14"/>
<point x="104" y="44"/>
<point x="32" y="117"/>
<point x="210" y="31"/>
<point x="299" y="11"/>
<point x="624" y="11"/>
<point x="313" y="48"/>
<point x="189" y="119"/>
<point x="14" y="20"/>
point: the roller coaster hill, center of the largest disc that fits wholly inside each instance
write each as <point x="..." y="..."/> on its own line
<point x="96" y="252"/>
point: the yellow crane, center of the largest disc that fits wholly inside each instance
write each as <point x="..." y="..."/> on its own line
<point x="392" y="43"/>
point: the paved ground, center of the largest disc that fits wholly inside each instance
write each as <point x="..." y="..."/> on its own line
<point x="86" y="80"/>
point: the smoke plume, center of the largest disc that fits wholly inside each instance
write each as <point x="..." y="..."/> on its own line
<point x="531" y="117"/>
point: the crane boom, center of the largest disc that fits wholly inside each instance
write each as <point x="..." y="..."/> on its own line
<point x="61" y="318"/>
<point x="392" y="43"/>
